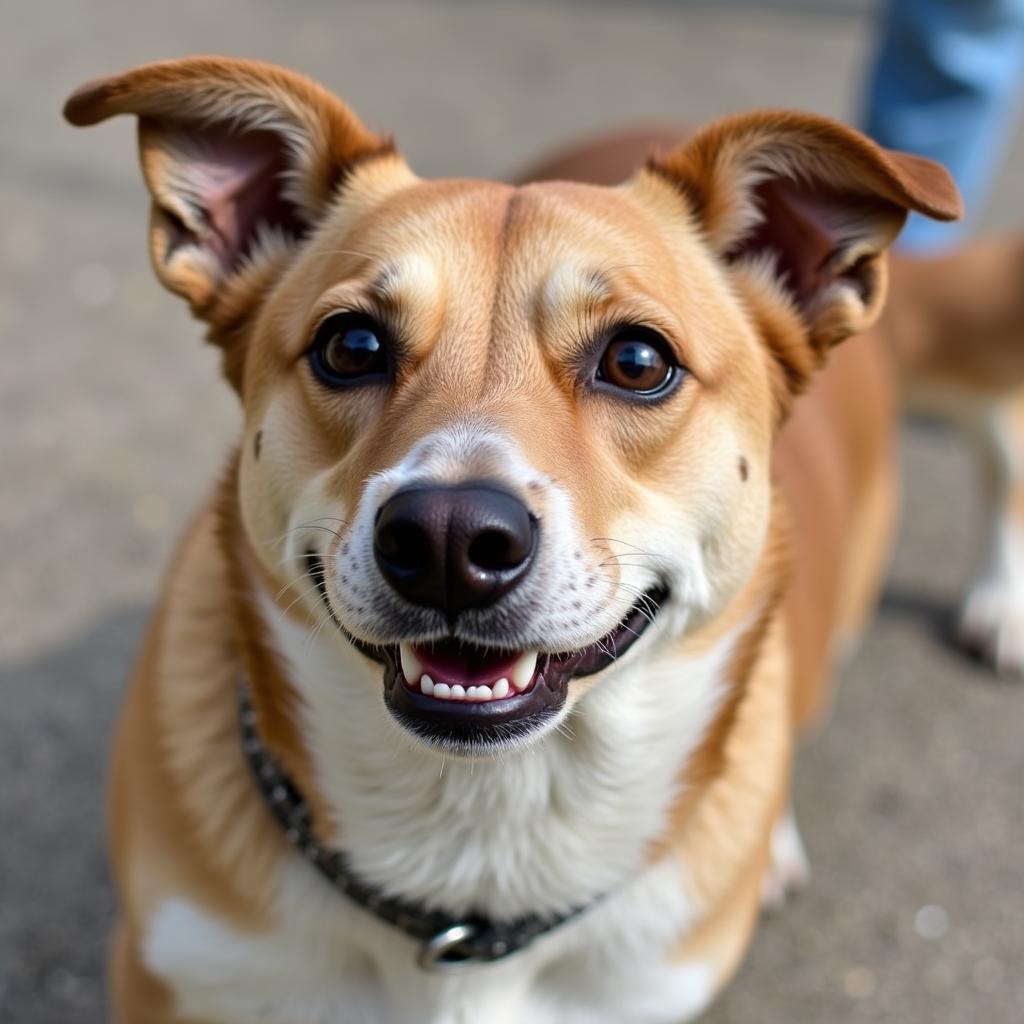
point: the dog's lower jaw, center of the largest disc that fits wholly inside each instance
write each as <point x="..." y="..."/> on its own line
<point x="462" y="727"/>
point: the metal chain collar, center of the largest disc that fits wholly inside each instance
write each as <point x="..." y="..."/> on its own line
<point x="445" y="942"/>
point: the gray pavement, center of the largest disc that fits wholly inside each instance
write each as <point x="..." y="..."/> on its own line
<point x="113" y="422"/>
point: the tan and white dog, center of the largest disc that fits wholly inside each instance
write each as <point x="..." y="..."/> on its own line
<point x="506" y="612"/>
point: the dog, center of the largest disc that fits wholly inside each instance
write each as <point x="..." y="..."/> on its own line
<point x="473" y="689"/>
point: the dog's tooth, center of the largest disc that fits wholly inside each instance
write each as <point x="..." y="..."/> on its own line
<point x="442" y="690"/>
<point x="458" y="692"/>
<point x="412" y="668"/>
<point x="484" y="693"/>
<point x="522" y="671"/>
<point x="427" y="685"/>
<point x="472" y="693"/>
<point x="500" y="689"/>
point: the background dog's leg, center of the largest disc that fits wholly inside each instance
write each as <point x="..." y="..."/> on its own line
<point x="955" y="324"/>
<point x="992" y="615"/>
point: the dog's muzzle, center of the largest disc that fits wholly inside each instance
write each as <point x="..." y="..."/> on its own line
<point x="458" y="549"/>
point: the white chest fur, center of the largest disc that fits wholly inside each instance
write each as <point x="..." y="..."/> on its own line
<point x="557" y="825"/>
<point x="327" y="963"/>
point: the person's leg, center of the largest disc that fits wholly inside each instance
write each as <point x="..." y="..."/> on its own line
<point x="947" y="84"/>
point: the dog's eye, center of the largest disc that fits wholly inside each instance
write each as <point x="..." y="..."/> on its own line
<point x="349" y="347"/>
<point x="638" y="360"/>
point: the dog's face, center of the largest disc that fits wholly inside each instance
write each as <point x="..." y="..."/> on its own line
<point x="511" y="428"/>
<point x="495" y="435"/>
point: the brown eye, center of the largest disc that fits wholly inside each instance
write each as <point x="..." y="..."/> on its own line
<point x="349" y="348"/>
<point x="638" y="360"/>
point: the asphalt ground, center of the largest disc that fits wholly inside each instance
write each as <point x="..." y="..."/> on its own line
<point x="113" y="421"/>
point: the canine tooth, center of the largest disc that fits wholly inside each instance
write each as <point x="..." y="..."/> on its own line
<point x="442" y="690"/>
<point x="411" y="667"/>
<point x="483" y="692"/>
<point x="500" y="688"/>
<point x="522" y="671"/>
<point x="427" y="685"/>
<point x="458" y="691"/>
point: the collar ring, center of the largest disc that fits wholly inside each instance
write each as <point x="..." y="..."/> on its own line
<point x="450" y="949"/>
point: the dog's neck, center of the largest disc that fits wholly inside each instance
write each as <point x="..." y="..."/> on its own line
<point x="533" y="831"/>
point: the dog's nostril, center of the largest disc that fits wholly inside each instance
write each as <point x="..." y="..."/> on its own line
<point x="406" y="545"/>
<point x="496" y="550"/>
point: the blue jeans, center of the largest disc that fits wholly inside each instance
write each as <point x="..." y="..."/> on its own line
<point x="947" y="85"/>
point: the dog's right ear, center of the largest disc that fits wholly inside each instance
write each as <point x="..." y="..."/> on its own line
<point x="241" y="159"/>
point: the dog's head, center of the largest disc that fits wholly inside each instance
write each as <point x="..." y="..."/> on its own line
<point x="502" y="431"/>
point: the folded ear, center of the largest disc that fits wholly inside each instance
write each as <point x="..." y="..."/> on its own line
<point x="808" y="204"/>
<point x="241" y="160"/>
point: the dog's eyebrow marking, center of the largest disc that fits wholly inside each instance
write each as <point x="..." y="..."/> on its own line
<point x="409" y="281"/>
<point x="744" y="468"/>
<point x="572" y="287"/>
<point x="257" y="445"/>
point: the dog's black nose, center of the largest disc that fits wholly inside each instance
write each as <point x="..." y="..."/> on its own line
<point x="454" y="548"/>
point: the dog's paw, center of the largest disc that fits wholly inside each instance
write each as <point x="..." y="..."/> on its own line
<point x="992" y="626"/>
<point x="789" y="871"/>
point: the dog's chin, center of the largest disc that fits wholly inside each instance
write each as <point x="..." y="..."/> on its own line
<point x="473" y="700"/>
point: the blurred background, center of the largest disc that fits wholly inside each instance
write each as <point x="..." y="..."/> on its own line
<point x="113" y="422"/>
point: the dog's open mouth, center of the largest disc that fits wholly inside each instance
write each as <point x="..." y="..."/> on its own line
<point x="463" y="695"/>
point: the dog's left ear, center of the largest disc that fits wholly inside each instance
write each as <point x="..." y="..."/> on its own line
<point x="808" y="203"/>
<point x="242" y="160"/>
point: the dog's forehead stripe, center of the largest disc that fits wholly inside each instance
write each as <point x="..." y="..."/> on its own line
<point x="573" y="286"/>
<point x="410" y="280"/>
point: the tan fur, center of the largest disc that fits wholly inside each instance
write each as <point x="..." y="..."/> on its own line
<point x="493" y="287"/>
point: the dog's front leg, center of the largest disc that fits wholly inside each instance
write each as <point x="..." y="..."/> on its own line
<point x="138" y="997"/>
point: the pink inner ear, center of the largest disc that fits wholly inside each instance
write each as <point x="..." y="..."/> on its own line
<point x="804" y="228"/>
<point x="236" y="181"/>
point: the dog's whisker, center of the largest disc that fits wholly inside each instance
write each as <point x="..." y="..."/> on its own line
<point x="303" y="595"/>
<point x="298" y="579"/>
<point x="616" y="540"/>
<point x="645" y="605"/>
<point x="325" y="618"/>
<point x="617" y="559"/>
<point x="632" y="588"/>
<point x="565" y="729"/>
<point x="290" y="585"/>
<point x="311" y="525"/>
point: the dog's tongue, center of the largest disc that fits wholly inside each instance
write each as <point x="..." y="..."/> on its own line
<point x="465" y="665"/>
